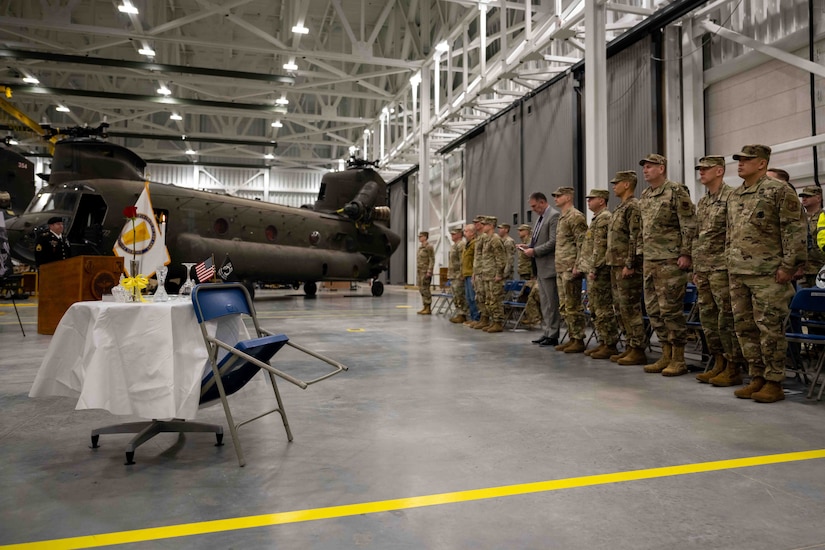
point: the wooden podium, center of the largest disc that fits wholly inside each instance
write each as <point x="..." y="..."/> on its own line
<point x="77" y="279"/>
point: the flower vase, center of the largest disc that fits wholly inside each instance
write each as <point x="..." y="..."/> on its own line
<point x="134" y="295"/>
<point x="160" y="293"/>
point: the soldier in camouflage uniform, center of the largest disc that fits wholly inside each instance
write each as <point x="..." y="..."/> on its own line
<point x="532" y="309"/>
<point x="624" y="256"/>
<point x="812" y="202"/>
<point x="668" y="227"/>
<point x="710" y="275"/>
<point x="509" y="249"/>
<point x="454" y="274"/>
<point x="525" y="264"/>
<point x="425" y="262"/>
<point x="478" y="280"/>
<point x="492" y="272"/>
<point x="592" y="262"/>
<point x="766" y="244"/>
<point x="569" y="236"/>
<point x="467" y="260"/>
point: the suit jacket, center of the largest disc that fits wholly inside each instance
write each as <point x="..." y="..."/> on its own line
<point x="545" y="245"/>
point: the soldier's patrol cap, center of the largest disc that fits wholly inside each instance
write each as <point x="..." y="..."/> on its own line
<point x="478" y="219"/>
<point x="505" y="226"/>
<point x="455" y="230"/>
<point x="598" y="194"/>
<point x="653" y="159"/>
<point x="489" y="220"/>
<point x="754" y="151"/>
<point x="563" y="191"/>
<point x="709" y="161"/>
<point x="810" y="191"/>
<point x="624" y="175"/>
<point x="55" y="219"/>
<point x="524" y="227"/>
<point x="424" y="234"/>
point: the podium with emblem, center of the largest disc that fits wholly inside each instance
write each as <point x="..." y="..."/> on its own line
<point x="78" y="279"/>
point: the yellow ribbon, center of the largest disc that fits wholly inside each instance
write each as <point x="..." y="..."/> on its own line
<point x="135" y="285"/>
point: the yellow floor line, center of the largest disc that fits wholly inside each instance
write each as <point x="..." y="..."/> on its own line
<point x="267" y="520"/>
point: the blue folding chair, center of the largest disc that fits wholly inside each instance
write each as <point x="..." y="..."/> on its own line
<point x="243" y="360"/>
<point x="806" y="301"/>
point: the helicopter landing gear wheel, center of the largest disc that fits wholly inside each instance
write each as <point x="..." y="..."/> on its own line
<point x="377" y="288"/>
<point x="310" y="289"/>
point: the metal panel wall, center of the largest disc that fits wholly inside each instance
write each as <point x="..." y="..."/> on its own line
<point x="398" y="223"/>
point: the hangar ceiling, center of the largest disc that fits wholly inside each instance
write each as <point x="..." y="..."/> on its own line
<point x="291" y="83"/>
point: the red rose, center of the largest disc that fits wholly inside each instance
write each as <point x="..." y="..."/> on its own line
<point x="130" y="212"/>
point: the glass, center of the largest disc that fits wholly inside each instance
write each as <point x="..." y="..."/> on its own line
<point x="160" y="293"/>
<point x="187" y="287"/>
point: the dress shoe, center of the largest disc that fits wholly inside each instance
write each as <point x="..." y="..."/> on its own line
<point x="540" y="340"/>
<point x="550" y="342"/>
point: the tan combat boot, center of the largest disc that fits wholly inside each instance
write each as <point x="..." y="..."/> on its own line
<point x="470" y="323"/>
<point x="663" y="361"/>
<point x="747" y="392"/>
<point x="600" y="347"/>
<point x="460" y="318"/>
<point x="576" y="346"/>
<point x="605" y="353"/>
<point x="562" y="347"/>
<point x="636" y="356"/>
<point x="621" y="355"/>
<point x="719" y="365"/>
<point x="771" y="392"/>
<point x="494" y="327"/>
<point x="482" y="323"/>
<point x="677" y="366"/>
<point x="731" y="376"/>
<point x="425" y="311"/>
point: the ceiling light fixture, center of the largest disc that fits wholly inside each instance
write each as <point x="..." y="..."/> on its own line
<point x="269" y="156"/>
<point x="175" y="116"/>
<point x="291" y="66"/>
<point x="442" y="47"/>
<point x="277" y="124"/>
<point x="282" y="100"/>
<point x="127" y="7"/>
<point x="148" y="52"/>
<point x="191" y="152"/>
<point x="63" y="109"/>
<point x="300" y="29"/>
<point x="163" y="90"/>
<point x="29" y="79"/>
<point x="13" y="141"/>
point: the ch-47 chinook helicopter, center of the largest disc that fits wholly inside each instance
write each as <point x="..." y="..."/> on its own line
<point x="341" y="238"/>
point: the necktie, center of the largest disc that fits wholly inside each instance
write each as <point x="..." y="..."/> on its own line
<point x="536" y="232"/>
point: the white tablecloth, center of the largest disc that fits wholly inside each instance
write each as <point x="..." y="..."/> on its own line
<point x="131" y="359"/>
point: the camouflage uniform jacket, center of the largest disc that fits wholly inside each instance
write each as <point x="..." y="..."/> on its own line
<point x="624" y="236"/>
<point x="712" y="223"/>
<point x="456" y="253"/>
<point x="816" y="257"/>
<point x="509" y="252"/>
<point x="766" y="230"/>
<point x="468" y="258"/>
<point x="492" y="262"/>
<point x="594" y="248"/>
<point x="569" y="236"/>
<point x="479" y="254"/>
<point x="668" y="221"/>
<point x="525" y="264"/>
<point x="425" y="261"/>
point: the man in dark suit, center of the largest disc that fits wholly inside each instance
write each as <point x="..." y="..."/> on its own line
<point x="542" y="249"/>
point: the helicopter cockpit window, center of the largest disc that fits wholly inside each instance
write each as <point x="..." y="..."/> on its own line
<point x="47" y="202"/>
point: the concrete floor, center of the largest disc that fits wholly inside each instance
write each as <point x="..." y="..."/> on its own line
<point x="427" y="408"/>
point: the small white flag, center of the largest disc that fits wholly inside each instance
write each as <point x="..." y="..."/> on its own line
<point x="142" y="240"/>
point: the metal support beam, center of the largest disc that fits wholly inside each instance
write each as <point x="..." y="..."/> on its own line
<point x="693" y="105"/>
<point x="423" y="197"/>
<point x="595" y="96"/>
<point x="672" y="104"/>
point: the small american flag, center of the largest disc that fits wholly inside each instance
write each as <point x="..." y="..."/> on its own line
<point x="205" y="270"/>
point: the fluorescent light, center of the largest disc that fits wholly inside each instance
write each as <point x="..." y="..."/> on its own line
<point x="282" y="100"/>
<point x="291" y="66"/>
<point x="30" y="80"/>
<point x="300" y="29"/>
<point x="127" y="7"/>
<point x="415" y="79"/>
<point x="191" y="152"/>
<point x="442" y="46"/>
<point x="14" y="142"/>
<point x="175" y="116"/>
<point x="148" y="52"/>
<point x="163" y="90"/>
<point x="269" y="156"/>
<point x="277" y="124"/>
<point x="63" y="109"/>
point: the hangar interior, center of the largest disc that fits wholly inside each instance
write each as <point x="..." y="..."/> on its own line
<point x="437" y="437"/>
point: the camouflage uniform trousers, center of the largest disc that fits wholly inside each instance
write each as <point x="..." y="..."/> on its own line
<point x="459" y="296"/>
<point x="716" y="314"/>
<point x="600" y="299"/>
<point x="424" y="283"/>
<point x="532" y="308"/>
<point x="627" y="300"/>
<point x="570" y="304"/>
<point x="481" y="296"/>
<point x="494" y="300"/>
<point x="760" y="306"/>
<point x="664" y="290"/>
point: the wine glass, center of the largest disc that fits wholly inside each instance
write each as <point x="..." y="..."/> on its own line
<point x="187" y="287"/>
<point x="160" y="293"/>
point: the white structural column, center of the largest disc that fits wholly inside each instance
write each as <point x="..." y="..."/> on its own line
<point x="693" y="103"/>
<point x="423" y="198"/>
<point x="674" y="123"/>
<point x="595" y="95"/>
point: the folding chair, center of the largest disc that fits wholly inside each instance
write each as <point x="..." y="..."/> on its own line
<point x="691" y="310"/>
<point x="805" y="302"/>
<point x="443" y="300"/>
<point x="513" y="308"/>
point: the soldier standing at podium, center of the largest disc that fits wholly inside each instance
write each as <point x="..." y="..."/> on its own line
<point x="50" y="245"/>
